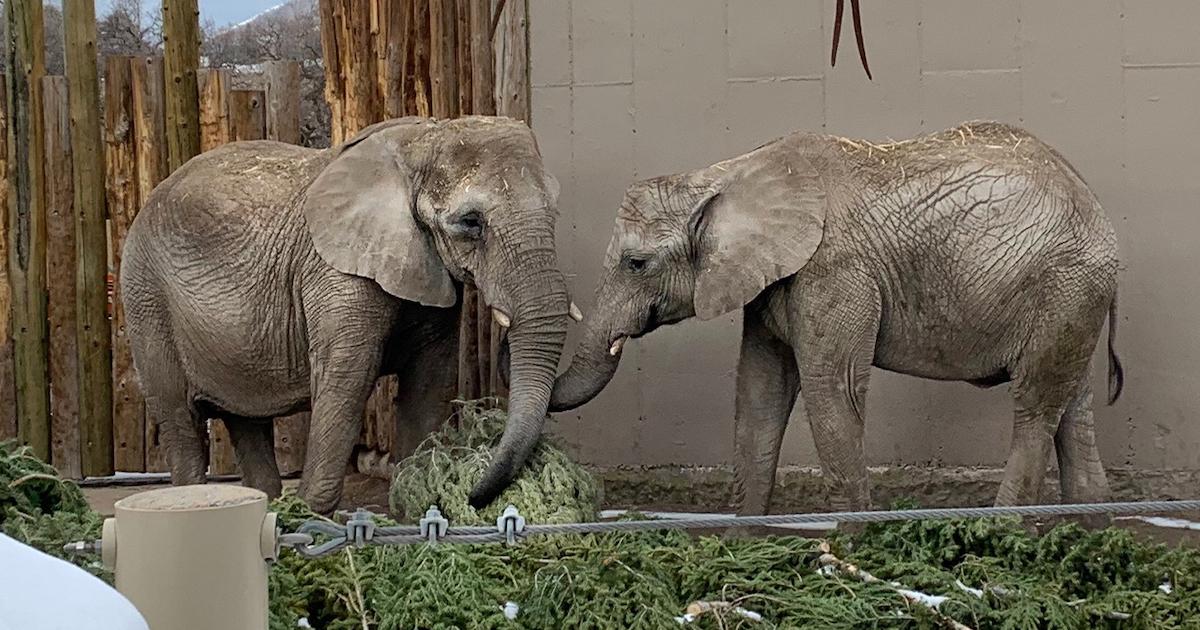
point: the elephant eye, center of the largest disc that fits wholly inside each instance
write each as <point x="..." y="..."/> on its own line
<point x="635" y="264"/>
<point x="469" y="224"/>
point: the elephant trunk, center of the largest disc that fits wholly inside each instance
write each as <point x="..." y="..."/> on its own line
<point x="536" y="338"/>
<point x="591" y="368"/>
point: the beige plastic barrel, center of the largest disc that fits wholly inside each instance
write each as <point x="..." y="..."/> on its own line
<point x="193" y="557"/>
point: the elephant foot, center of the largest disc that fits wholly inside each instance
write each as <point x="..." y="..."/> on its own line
<point x="322" y="498"/>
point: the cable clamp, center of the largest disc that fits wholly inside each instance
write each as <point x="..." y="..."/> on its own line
<point x="433" y="525"/>
<point x="511" y="524"/>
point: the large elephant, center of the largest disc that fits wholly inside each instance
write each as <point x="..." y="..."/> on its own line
<point x="263" y="278"/>
<point x="975" y="254"/>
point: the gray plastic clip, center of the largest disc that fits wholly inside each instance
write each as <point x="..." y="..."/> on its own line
<point x="511" y="524"/>
<point x="434" y="525"/>
<point x="83" y="547"/>
<point x="360" y="528"/>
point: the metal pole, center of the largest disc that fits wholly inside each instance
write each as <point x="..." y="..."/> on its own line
<point x="193" y="557"/>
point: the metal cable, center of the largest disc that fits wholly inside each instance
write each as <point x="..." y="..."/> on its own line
<point x="711" y="522"/>
<point x="509" y="530"/>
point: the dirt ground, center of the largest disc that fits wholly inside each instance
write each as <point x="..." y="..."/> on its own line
<point x="372" y="493"/>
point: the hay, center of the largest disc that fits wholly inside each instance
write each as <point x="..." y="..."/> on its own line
<point x="551" y="489"/>
<point x="980" y="141"/>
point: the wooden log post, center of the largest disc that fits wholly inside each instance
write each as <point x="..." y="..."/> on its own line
<point x="417" y="99"/>
<point x="25" y="51"/>
<point x="181" y="47"/>
<point x="483" y="102"/>
<point x="214" y="107"/>
<point x="283" y="101"/>
<point x="149" y="124"/>
<point x="120" y="138"/>
<point x="8" y="403"/>
<point x="247" y="115"/>
<point x="283" y="124"/>
<point x="93" y="333"/>
<point x="60" y="263"/>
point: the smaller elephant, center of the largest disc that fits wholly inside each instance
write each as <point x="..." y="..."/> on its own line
<point x="263" y="278"/>
<point x="975" y="254"/>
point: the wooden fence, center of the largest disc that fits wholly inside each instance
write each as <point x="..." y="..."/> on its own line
<point x="135" y="161"/>
<point x="382" y="59"/>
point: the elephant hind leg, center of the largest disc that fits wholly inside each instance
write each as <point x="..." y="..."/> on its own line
<point x="1080" y="472"/>
<point x="254" y="444"/>
<point x="1047" y="383"/>
<point x="168" y="402"/>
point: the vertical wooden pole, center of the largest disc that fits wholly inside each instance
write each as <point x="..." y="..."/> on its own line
<point x="483" y="102"/>
<point x="8" y="403"/>
<point x="60" y="263"/>
<point x="443" y="23"/>
<point x="462" y="56"/>
<point x="25" y="51"/>
<point x="120" y="137"/>
<point x="247" y="115"/>
<point x="512" y="67"/>
<point x="416" y="64"/>
<point x="93" y="331"/>
<point x="214" y="108"/>
<point x="283" y="124"/>
<point x="283" y="101"/>
<point x="331" y="56"/>
<point x="395" y="69"/>
<point x="181" y="47"/>
<point x="146" y="85"/>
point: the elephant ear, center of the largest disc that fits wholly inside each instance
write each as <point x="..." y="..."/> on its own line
<point x="759" y="222"/>
<point x="361" y="215"/>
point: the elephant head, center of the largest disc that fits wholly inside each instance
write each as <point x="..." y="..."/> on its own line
<point x="417" y="205"/>
<point x="699" y="244"/>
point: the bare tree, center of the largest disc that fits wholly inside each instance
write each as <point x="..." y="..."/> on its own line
<point x="129" y="29"/>
<point x="289" y="32"/>
<point x="52" y="26"/>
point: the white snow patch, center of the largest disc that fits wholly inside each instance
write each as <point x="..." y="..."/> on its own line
<point x="1163" y="521"/>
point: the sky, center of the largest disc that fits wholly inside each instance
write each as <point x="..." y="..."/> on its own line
<point x="221" y="12"/>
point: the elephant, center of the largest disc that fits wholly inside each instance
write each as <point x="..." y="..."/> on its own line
<point x="262" y="278"/>
<point x="976" y="254"/>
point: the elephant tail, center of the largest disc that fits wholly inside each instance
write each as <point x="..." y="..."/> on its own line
<point x="1116" y="374"/>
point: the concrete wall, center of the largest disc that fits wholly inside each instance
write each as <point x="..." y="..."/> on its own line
<point x="627" y="89"/>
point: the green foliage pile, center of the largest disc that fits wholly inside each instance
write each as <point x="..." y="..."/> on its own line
<point x="42" y="509"/>
<point x="446" y="465"/>
<point x="1068" y="579"/>
<point x="992" y="573"/>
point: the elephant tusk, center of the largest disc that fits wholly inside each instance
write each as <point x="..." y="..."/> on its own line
<point x="501" y="318"/>
<point x="617" y="345"/>
<point x="576" y="314"/>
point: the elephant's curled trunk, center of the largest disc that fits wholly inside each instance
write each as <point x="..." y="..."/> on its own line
<point x="535" y="341"/>
<point x="592" y="367"/>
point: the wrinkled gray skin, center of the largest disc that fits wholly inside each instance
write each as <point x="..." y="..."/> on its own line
<point x="977" y="255"/>
<point x="263" y="278"/>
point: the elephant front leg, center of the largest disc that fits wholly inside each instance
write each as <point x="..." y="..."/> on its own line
<point x="766" y="392"/>
<point x="834" y="353"/>
<point x="339" y="400"/>
<point x="428" y="382"/>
